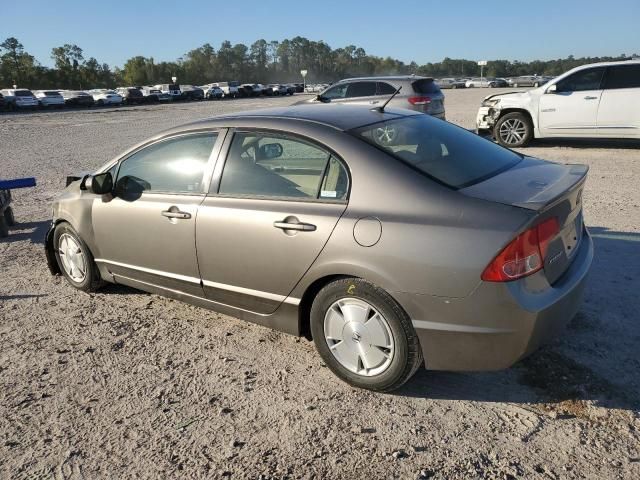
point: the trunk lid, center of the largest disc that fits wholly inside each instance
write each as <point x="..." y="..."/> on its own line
<point x="550" y="190"/>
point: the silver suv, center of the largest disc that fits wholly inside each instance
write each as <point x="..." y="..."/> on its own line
<point x="417" y="93"/>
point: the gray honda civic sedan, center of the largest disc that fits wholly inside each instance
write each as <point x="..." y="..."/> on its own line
<point x="391" y="238"/>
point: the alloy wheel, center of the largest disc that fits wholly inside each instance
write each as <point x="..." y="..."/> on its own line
<point x="512" y="131"/>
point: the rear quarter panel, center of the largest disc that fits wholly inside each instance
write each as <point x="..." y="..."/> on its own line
<point x="433" y="239"/>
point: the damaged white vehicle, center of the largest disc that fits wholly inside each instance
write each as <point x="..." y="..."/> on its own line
<point x="599" y="100"/>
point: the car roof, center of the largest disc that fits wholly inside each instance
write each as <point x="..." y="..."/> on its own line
<point x="407" y="78"/>
<point x="339" y="116"/>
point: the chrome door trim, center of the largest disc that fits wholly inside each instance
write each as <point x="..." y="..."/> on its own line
<point x="253" y="293"/>
<point x="231" y="288"/>
<point x="160" y="273"/>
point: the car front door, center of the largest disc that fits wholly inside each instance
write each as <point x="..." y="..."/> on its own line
<point x="145" y="231"/>
<point x="572" y="109"/>
<point x="619" y="112"/>
<point x="271" y="209"/>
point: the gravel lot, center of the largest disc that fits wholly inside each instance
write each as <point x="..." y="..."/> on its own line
<point x="122" y="384"/>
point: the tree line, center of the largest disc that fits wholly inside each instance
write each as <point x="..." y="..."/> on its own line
<point x="261" y="62"/>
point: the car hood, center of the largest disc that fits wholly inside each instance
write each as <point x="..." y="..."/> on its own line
<point x="516" y="96"/>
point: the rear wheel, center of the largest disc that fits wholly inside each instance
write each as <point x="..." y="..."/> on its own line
<point x="513" y="130"/>
<point x="364" y="336"/>
<point x="4" y="228"/>
<point x="74" y="259"/>
<point x="9" y="217"/>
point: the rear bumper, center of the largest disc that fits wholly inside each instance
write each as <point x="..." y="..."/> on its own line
<point x="499" y="323"/>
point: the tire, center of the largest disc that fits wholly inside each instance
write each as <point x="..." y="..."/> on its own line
<point x="90" y="281"/>
<point x="100" y="103"/>
<point x="9" y="217"/>
<point x="513" y="130"/>
<point x="389" y="365"/>
<point x="4" y="228"/>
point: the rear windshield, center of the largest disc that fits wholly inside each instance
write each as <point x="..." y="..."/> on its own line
<point x="447" y="153"/>
<point x="52" y="94"/>
<point x="425" y="85"/>
<point x="23" y="93"/>
<point x="173" y="86"/>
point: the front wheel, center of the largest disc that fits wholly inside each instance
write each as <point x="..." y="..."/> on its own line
<point x="513" y="130"/>
<point x="364" y="336"/>
<point x="74" y="259"/>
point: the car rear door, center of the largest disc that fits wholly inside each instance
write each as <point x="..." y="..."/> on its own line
<point x="146" y="231"/>
<point x="572" y="109"/>
<point x="362" y="93"/>
<point x="272" y="206"/>
<point x="619" y="110"/>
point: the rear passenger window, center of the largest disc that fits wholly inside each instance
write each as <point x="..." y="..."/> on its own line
<point x="175" y="165"/>
<point x="275" y="166"/>
<point x="361" y="89"/>
<point x="385" y="89"/>
<point x="622" y="76"/>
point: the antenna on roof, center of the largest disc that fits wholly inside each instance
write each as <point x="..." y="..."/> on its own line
<point x="381" y="108"/>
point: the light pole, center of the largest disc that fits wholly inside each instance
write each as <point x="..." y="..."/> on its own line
<point x="304" y="80"/>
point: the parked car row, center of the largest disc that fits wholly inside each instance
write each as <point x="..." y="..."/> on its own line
<point x="22" y="98"/>
<point x="494" y="82"/>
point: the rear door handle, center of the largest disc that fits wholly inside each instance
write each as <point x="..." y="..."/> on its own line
<point x="299" y="226"/>
<point x="590" y="98"/>
<point x="173" y="212"/>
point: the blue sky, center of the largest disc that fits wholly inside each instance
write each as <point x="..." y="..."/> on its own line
<point x="423" y="31"/>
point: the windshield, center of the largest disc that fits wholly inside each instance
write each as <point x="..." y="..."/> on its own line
<point x="23" y="93"/>
<point x="447" y="153"/>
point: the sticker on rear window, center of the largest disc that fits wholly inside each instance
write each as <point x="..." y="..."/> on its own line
<point x="329" y="193"/>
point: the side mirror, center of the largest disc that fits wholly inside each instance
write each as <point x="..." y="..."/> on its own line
<point x="323" y="99"/>
<point x="552" y="89"/>
<point x="269" y="151"/>
<point x="100" y="184"/>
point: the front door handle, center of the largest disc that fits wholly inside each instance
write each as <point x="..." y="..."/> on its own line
<point x="173" y="212"/>
<point x="590" y="98"/>
<point x="292" y="223"/>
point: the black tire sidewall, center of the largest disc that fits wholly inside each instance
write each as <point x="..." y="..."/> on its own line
<point x="520" y="116"/>
<point x="92" y="276"/>
<point x="9" y="217"/>
<point x="400" y="325"/>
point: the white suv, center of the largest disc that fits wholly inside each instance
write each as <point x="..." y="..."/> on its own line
<point x="599" y="100"/>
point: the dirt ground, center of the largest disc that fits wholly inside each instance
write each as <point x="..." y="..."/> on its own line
<point x="122" y="384"/>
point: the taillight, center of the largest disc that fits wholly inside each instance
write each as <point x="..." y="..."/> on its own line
<point x="419" y="100"/>
<point x="524" y="255"/>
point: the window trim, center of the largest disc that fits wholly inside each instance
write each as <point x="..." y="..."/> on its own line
<point x="206" y="176"/>
<point x="214" y="186"/>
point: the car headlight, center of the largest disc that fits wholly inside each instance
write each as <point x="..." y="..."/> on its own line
<point x="491" y="102"/>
